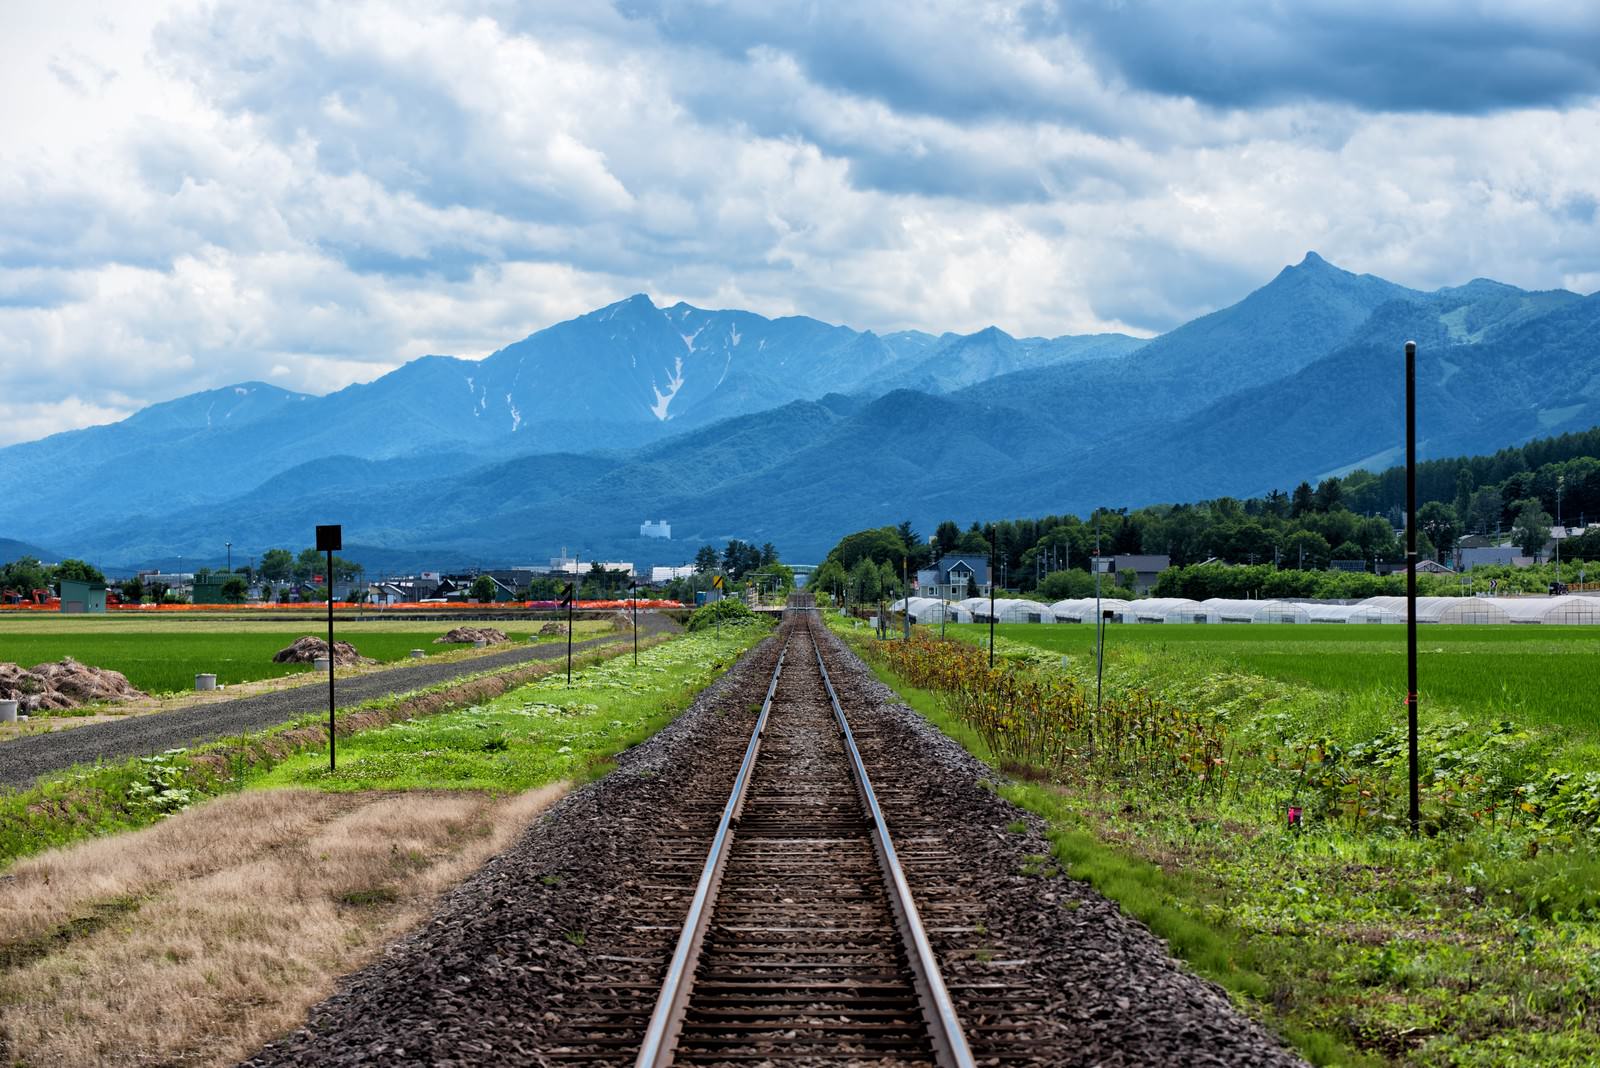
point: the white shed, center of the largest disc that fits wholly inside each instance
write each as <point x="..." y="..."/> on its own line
<point x="1237" y="611"/>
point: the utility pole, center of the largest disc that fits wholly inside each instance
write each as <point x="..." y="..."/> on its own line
<point x="330" y="538"/>
<point x="992" y="540"/>
<point x="1414" y="813"/>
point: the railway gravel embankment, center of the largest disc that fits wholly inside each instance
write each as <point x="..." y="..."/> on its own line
<point x="553" y="951"/>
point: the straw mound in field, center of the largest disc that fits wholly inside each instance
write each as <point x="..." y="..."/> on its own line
<point x="67" y="684"/>
<point x="307" y="650"/>
<point x="488" y="635"/>
<point x="553" y="628"/>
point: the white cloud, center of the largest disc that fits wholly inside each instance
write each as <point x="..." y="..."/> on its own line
<point x="197" y="195"/>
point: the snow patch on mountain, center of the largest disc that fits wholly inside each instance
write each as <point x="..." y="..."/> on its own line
<point x="516" y="416"/>
<point x="675" y="383"/>
<point x="688" y="339"/>
<point x="733" y="335"/>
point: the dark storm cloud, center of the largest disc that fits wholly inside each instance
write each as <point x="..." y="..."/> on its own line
<point x="1403" y="55"/>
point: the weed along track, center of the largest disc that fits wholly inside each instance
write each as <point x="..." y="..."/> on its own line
<point x="798" y="872"/>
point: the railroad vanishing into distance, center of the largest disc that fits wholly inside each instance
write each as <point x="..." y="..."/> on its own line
<point x="796" y="871"/>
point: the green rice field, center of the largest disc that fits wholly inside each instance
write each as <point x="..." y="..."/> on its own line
<point x="162" y="655"/>
<point x="1532" y="674"/>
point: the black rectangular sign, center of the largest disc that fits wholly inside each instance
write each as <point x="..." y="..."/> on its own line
<point x="329" y="538"/>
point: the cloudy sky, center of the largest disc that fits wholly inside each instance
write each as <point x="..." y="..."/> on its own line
<point x="194" y="194"/>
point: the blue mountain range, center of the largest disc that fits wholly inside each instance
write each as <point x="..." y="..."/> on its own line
<point x="794" y="431"/>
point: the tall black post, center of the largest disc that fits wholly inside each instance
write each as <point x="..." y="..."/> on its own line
<point x="331" y="761"/>
<point x="329" y="538"/>
<point x="633" y="590"/>
<point x="572" y="593"/>
<point x="992" y="540"/>
<point x="1415" y="813"/>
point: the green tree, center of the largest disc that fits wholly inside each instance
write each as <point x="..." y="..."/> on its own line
<point x="705" y="560"/>
<point x="945" y="537"/>
<point x="308" y="563"/>
<point x="132" y="590"/>
<point x="865" y="582"/>
<point x="1329" y="495"/>
<point x="277" y="565"/>
<point x="234" y="590"/>
<point x="1306" y="549"/>
<point x="1530" y="530"/>
<point x="1437" y="521"/>
<point x="483" y="589"/>
<point x="1303" y="501"/>
<point x="77" y="571"/>
<point x="24" y="576"/>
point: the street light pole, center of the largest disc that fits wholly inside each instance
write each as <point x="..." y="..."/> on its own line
<point x="229" y="544"/>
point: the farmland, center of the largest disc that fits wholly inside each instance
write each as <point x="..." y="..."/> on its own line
<point x="162" y="654"/>
<point x="1534" y="675"/>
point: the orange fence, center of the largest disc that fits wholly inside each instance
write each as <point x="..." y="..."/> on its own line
<point x="54" y="605"/>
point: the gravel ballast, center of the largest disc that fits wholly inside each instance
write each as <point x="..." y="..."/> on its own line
<point x="24" y="759"/>
<point x="529" y="943"/>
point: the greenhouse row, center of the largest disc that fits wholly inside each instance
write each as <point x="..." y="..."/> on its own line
<point x="1566" y="610"/>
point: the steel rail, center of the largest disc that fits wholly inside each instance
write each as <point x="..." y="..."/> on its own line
<point x="944" y="1026"/>
<point x="667" y="1019"/>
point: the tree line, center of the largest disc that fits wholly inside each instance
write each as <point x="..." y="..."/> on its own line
<point x="1356" y="517"/>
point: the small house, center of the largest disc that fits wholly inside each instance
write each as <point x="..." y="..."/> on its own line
<point x="78" y="597"/>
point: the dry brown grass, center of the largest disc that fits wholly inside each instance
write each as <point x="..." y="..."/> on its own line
<point x="194" y="941"/>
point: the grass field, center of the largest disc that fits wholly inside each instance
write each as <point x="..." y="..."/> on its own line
<point x="1475" y="944"/>
<point x="1536" y="675"/>
<point x="163" y="655"/>
<point x="533" y="735"/>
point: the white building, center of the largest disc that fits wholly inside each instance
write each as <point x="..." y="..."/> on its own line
<point x="659" y="575"/>
<point x="659" y="529"/>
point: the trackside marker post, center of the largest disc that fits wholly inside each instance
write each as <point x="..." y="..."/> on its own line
<point x="330" y="538"/>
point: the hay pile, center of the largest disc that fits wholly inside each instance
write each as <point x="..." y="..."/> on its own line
<point x="67" y="684"/>
<point x="308" y="650"/>
<point x="487" y="635"/>
<point x="553" y="628"/>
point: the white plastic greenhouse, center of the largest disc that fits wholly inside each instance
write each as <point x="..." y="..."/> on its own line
<point x="1170" y="610"/>
<point x="1445" y="609"/>
<point x="1570" y="610"/>
<point x="1011" y="610"/>
<point x="1236" y="611"/>
<point x="1081" y="609"/>
<point x="976" y="607"/>
<point x="933" y="610"/>
<point x="1350" y="613"/>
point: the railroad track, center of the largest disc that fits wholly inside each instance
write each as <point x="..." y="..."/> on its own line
<point x="802" y="943"/>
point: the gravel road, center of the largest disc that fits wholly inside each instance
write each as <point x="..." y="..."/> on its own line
<point x="25" y="759"/>
<point x="525" y="952"/>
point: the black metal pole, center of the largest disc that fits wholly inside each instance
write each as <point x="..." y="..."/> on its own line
<point x="572" y="595"/>
<point x="332" y="762"/>
<point x="992" y="540"/>
<point x="1415" y="813"/>
<point x="635" y="592"/>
